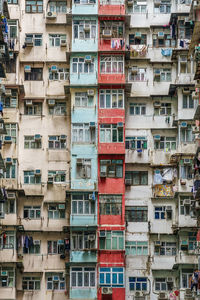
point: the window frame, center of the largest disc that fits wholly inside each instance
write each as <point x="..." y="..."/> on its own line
<point x="111" y="133"/>
<point x="133" y="175"/>
<point x="51" y="283"/>
<point x="28" y="174"/>
<point x="107" y="63"/>
<point x="132" y="214"/>
<point x="56" y="143"/>
<point x="79" y="33"/>
<point x="138" y="284"/>
<point x="36" y="74"/>
<point x="33" y="212"/>
<point x="29" y="282"/>
<point x="11" y="169"/>
<point x="80" y="274"/>
<point x="39" y="7"/>
<point x="137" y="248"/>
<point x="31" y="143"/>
<point x="81" y="203"/>
<point x="110" y="204"/>
<point x="111" y="276"/>
<point x="79" y="66"/>
<point x="112" y="103"/>
<point x="113" y="168"/>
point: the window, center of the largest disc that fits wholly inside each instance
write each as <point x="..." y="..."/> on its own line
<point x="11" y="169"/>
<point x="162" y="284"/>
<point x="165" y="41"/>
<point x="9" y="242"/>
<point x="11" y="131"/>
<point x="111" y="168"/>
<point x="84" y="1"/>
<point x="139" y="8"/>
<point x="136" y="142"/>
<point x="31" y="178"/>
<point x="117" y="28"/>
<point x="12" y="26"/>
<point x="133" y="40"/>
<point x="137" y="177"/>
<point x="137" y="283"/>
<point x="81" y="205"/>
<point x="137" y="109"/>
<point x="56" y="282"/>
<point x="12" y="1"/>
<point x="162" y="75"/>
<point x="162" y="212"/>
<point x="111" y="99"/>
<point x="59" y="109"/>
<point x="114" y="240"/>
<point x="55" y="247"/>
<point x="186" y="276"/>
<point x="58" y="176"/>
<point x="186" y="206"/>
<point x="137" y="214"/>
<point x="185" y="30"/>
<point x="11" y="101"/>
<point x="185" y="65"/>
<point x="112" y="64"/>
<point x="110" y="204"/>
<point x="11" y="65"/>
<point x="56" y="142"/>
<point x="31" y="283"/>
<point x="33" y="110"/>
<point x="58" y="6"/>
<point x="55" y="39"/>
<point x="165" y="143"/>
<point x="34" y="75"/>
<point x="80" y="66"/>
<point x="111" y="133"/>
<point x="164" y="110"/>
<point x="32" y="212"/>
<point x="139" y="76"/>
<point x="186" y="172"/>
<point x="83" y="168"/>
<point x="83" y="240"/>
<point x="165" y="248"/>
<point x="136" y="248"/>
<point x="60" y="74"/>
<point x="82" y="100"/>
<point x="34" y="248"/>
<point x="189" y="241"/>
<point x="34" y="6"/>
<point x="7" y="280"/>
<point x="186" y="134"/>
<point x="164" y="7"/>
<point x="56" y="211"/>
<point x="7" y="207"/>
<point x="80" y="32"/>
<point x="36" y="38"/>
<point x="83" y="277"/>
<point x="31" y="143"/>
<point x="111" y="277"/>
<point x="83" y="133"/>
<point x="188" y="102"/>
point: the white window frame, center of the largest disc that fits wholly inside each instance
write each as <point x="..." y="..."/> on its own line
<point x="80" y="33"/>
<point x="55" y="213"/>
<point x="169" y="247"/>
<point x="56" y="142"/>
<point x="111" y="64"/>
<point x="83" y="205"/>
<point x="59" y="109"/>
<point x="82" y="273"/>
<point x="57" y="176"/>
<point x="34" y="210"/>
<point x="141" y="248"/>
<point x="31" y="283"/>
<point x="188" y="99"/>
<point x="82" y="100"/>
<point x="82" y="133"/>
<point x="31" y="143"/>
<point x="33" y="110"/>
<point x="138" y="109"/>
<point x="37" y="38"/>
<point x="60" y="74"/>
<point x="11" y="129"/>
<point x="80" y="241"/>
<point x="60" y="7"/>
<point x="79" y="66"/>
<point x="166" y="140"/>
<point x="55" y="39"/>
<point x="31" y="174"/>
<point x="11" y="100"/>
<point x="166" y="4"/>
<point x="116" y="99"/>
<point x="11" y="169"/>
<point x="56" y="285"/>
<point x="141" y="75"/>
<point x="56" y="247"/>
<point x="10" y="240"/>
<point x="8" y="280"/>
<point x="106" y="133"/>
<point x="84" y="171"/>
<point x="164" y="110"/>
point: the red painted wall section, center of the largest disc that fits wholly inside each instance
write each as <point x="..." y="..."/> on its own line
<point x="111" y="257"/>
<point x="106" y="220"/>
<point x="117" y="294"/>
<point x="111" y="78"/>
<point x="111" y="10"/>
<point x="110" y="113"/>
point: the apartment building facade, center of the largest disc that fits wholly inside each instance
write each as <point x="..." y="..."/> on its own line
<point x="97" y="149"/>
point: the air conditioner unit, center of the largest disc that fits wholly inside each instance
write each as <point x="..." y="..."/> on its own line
<point x="138" y="294"/>
<point x="8" y="92"/>
<point x="87" y="27"/>
<point x="138" y="35"/>
<point x="29" y="102"/>
<point x="91" y="237"/>
<point x="55" y="278"/>
<point x="161" y="35"/>
<point x="51" y="102"/>
<point x="102" y="234"/>
<point x="61" y="206"/>
<point x="157" y="137"/>
<point x="186" y="91"/>
<point x="8" y="161"/>
<point x="106" y="290"/>
<point x="63" y="43"/>
<point x="63" y="137"/>
<point x="7" y="139"/>
<point x="107" y="33"/>
<point x="90" y="92"/>
<point x="134" y="70"/>
<point x="129" y="2"/>
<point x="88" y="59"/>
<point x="186" y="161"/>
<point x="27" y="69"/>
<point x="128" y="181"/>
<point x="37" y="137"/>
<point x="4" y="273"/>
<point x="51" y="15"/>
<point x="195" y="95"/>
<point x="186" y="202"/>
<point x="169" y="208"/>
<point x="54" y="69"/>
<point x="157" y="104"/>
<point x="11" y="196"/>
<point x="36" y="242"/>
<point x="157" y="243"/>
<point x="183" y="124"/>
<point x="37" y="172"/>
<point x="92" y="124"/>
<point x="29" y="41"/>
<point x="50" y="180"/>
<point x="102" y="174"/>
<point x="79" y="161"/>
